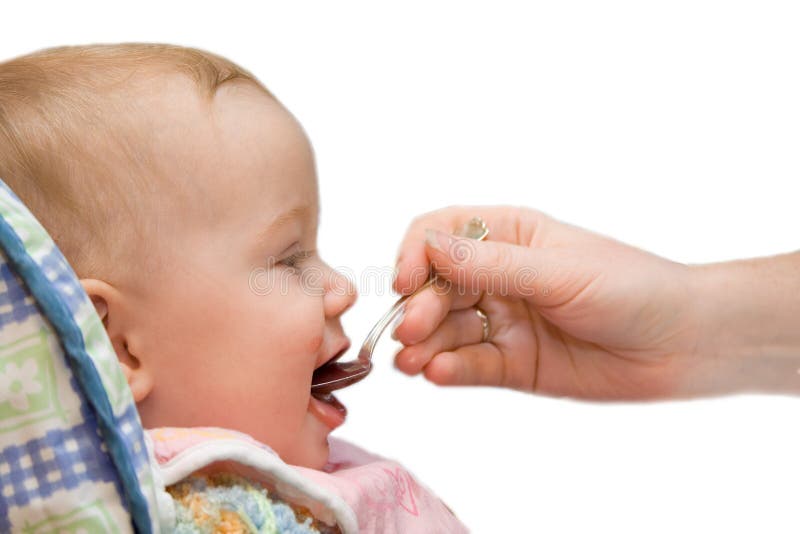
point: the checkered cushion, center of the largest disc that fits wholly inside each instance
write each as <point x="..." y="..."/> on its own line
<point x="72" y="452"/>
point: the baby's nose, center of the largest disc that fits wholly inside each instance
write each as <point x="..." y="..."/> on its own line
<point x="340" y="295"/>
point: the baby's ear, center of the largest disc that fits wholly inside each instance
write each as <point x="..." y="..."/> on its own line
<point x="108" y="304"/>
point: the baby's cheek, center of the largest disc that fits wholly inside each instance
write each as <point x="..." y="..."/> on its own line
<point x="301" y="322"/>
<point x="313" y="342"/>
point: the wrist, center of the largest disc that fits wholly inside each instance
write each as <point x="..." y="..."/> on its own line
<point x="748" y="324"/>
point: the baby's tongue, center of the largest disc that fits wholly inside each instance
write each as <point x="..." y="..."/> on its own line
<point x="330" y="400"/>
<point x="328" y="410"/>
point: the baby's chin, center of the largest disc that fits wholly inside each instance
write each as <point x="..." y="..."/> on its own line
<point x="311" y="455"/>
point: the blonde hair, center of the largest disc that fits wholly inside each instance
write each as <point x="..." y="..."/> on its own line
<point x="71" y="148"/>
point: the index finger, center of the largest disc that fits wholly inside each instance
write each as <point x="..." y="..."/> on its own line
<point x="413" y="265"/>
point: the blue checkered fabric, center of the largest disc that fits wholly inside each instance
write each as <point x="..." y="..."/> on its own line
<point x="61" y="459"/>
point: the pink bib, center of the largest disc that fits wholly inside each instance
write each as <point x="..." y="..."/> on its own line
<point x="359" y="491"/>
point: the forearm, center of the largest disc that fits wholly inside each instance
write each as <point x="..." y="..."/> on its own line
<point x="748" y="314"/>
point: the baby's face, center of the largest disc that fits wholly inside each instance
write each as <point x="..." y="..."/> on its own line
<point x="229" y="333"/>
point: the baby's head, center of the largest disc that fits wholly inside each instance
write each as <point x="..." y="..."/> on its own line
<point x="185" y="197"/>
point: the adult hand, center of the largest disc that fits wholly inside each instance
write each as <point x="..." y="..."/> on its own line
<point x="571" y="313"/>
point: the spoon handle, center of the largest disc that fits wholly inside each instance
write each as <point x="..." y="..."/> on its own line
<point x="386" y="320"/>
<point x="476" y="229"/>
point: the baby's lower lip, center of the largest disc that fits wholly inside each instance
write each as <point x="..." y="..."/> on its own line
<point x="328" y="410"/>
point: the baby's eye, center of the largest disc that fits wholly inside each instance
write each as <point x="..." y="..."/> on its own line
<point x="297" y="258"/>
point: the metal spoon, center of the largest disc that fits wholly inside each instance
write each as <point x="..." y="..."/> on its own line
<point x="336" y="375"/>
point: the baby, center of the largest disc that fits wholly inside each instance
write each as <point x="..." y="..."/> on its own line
<point x="184" y="195"/>
<point x="171" y="195"/>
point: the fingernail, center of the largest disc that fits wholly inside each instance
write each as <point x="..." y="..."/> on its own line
<point x="437" y="240"/>
<point x="397" y="322"/>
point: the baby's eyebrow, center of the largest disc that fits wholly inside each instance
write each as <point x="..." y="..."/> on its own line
<point x="297" y="212"/>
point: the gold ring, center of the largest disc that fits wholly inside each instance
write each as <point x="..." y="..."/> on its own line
<point x="484" y="323"/>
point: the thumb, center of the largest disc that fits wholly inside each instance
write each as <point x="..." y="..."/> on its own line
<point x="497" y="268"/>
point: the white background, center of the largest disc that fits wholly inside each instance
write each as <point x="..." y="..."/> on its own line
<point x="674" y="126"/>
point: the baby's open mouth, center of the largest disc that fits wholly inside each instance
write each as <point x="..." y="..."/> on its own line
<point x="323" y="404"/>
<point x="333" y="375"/>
